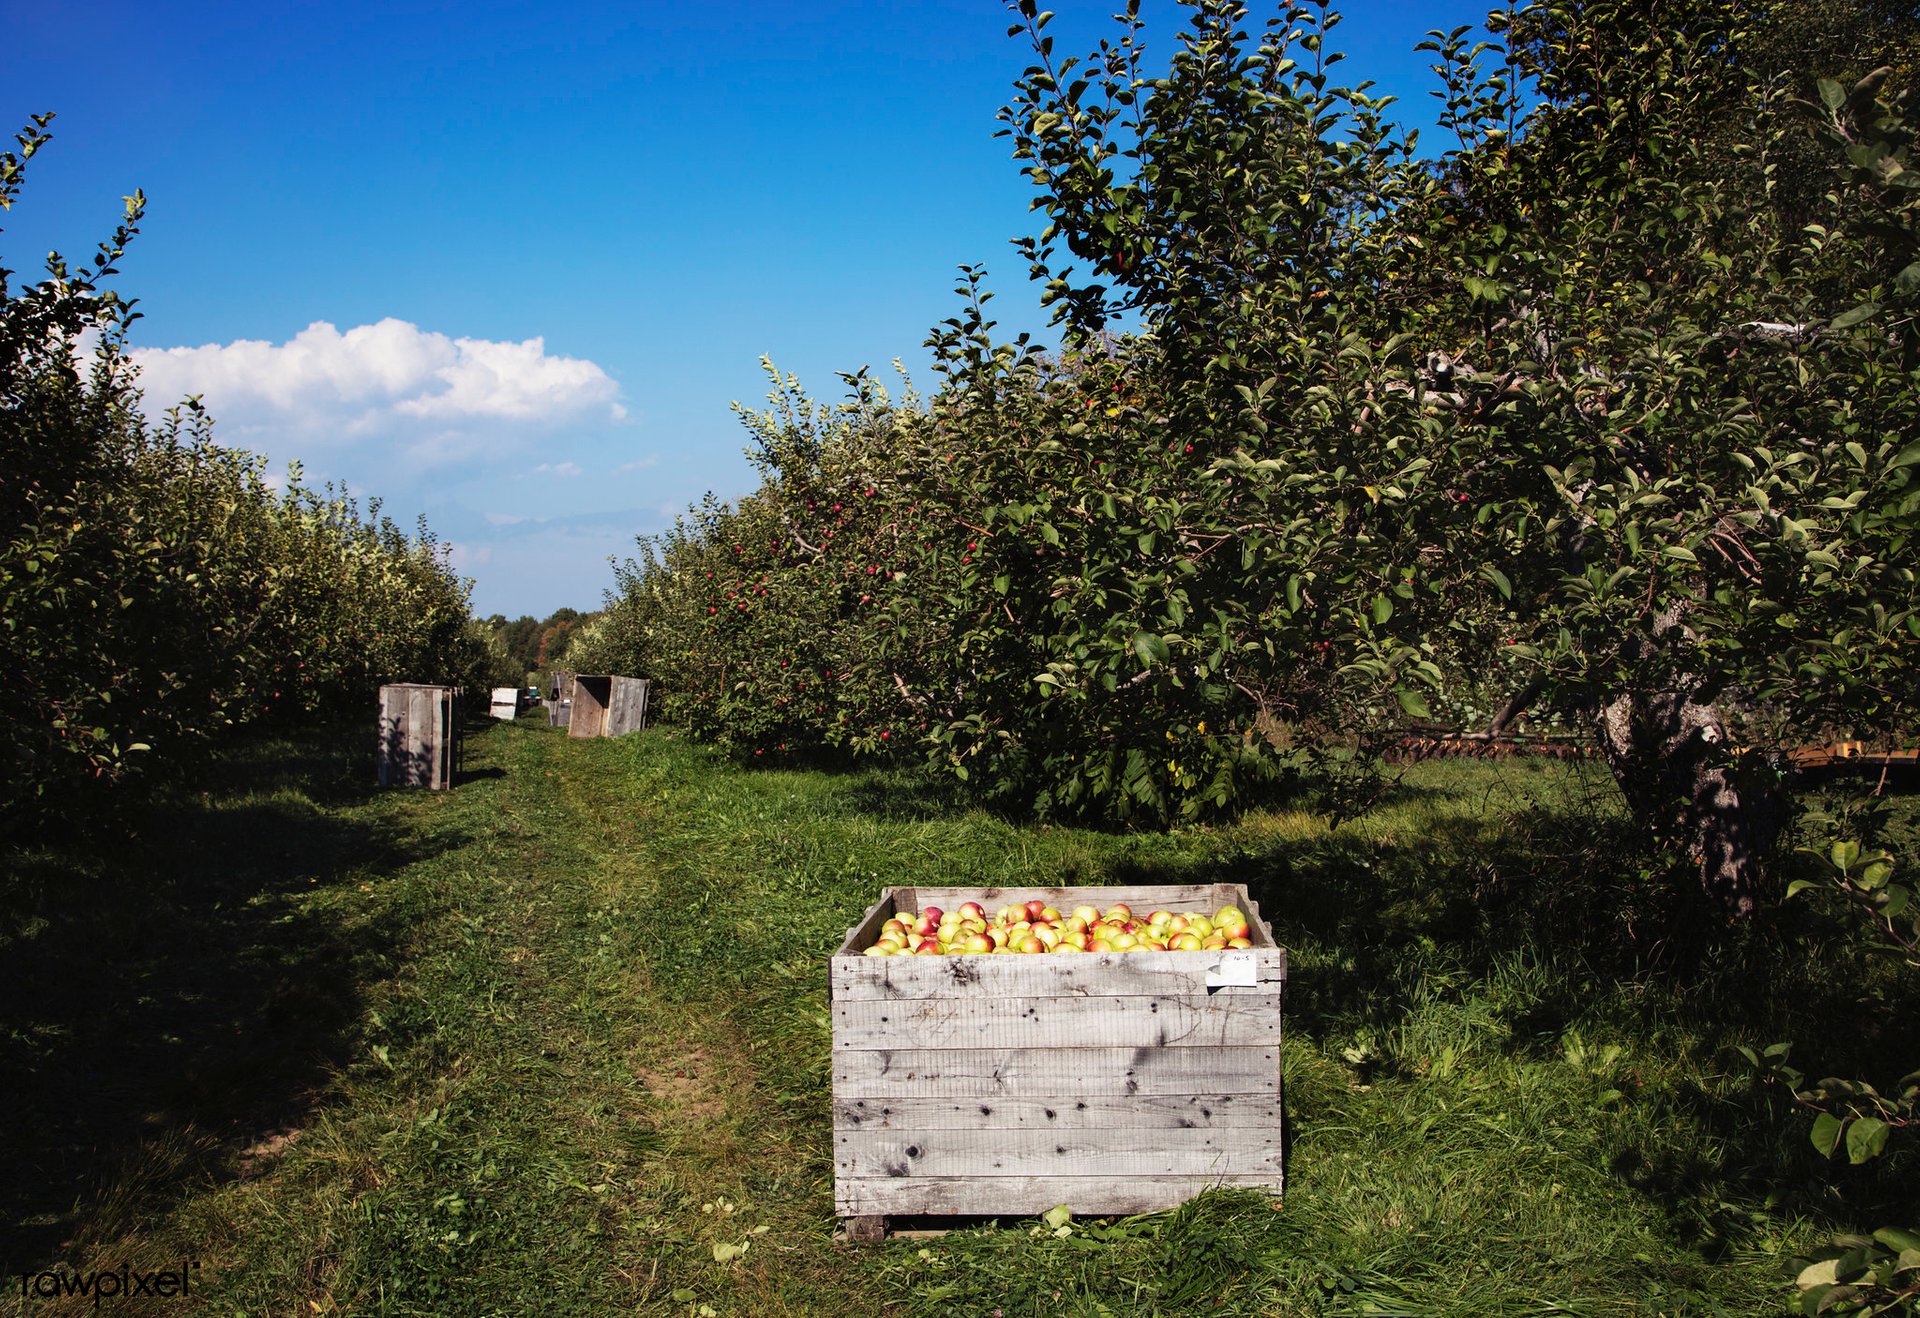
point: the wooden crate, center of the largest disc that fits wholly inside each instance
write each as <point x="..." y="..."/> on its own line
<point x="607" y="706"/>
<point x="419" y="735"/>
<point x="1112" y="1082"/>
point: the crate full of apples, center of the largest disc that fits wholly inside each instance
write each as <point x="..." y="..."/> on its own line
<point x="1006" y="1051"/>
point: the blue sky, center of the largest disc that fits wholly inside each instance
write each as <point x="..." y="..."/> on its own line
<point x="508" y="265"/>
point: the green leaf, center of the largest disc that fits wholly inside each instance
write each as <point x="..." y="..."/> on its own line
<point x="1866" y="1139"/>
<point x="1499" y="580"/>
<point x="1848" y="319"/>
<point x="1826" y="1133"/>
<point x="1149" y="647"/>
<point x="1412" y="702"/>
<point x="1898" y="1238"/>
<point x="1824" y="1273"/>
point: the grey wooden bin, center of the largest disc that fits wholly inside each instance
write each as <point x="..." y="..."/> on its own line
<point x="607" y="706"/>
<point x="1113" y="1082"/>
<point x="419" y="735"/>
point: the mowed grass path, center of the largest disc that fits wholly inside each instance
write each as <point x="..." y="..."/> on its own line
<point x="540" y="1044"/>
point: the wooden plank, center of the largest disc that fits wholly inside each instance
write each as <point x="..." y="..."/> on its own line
<point x="1026" y="1196"/>
<point x="629" y="708"/>
<point x="1069" y="1073"/>
<point x="1191" y="1020"/>
<point x="591" y="694"/>
<point x="1043" y="975"/>
<point x="1237" y="1150"/>
<point x="1052" y="1112"/>
<point x="866" y="933"/>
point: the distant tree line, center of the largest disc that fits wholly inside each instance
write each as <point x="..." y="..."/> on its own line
<point x="531" y="645"/>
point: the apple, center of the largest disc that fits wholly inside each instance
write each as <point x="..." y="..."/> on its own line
<point x="1086" y="913"/>
<point x="1119" y="913"/>
<point x="973" y="911"/>
<point x="881" y="949"/>
<point x="1050" y="915"/>
<point x="928" y="947"/>
<point x="1076" y="938"/>
<point x="1179" y="924"/>
<point x="1030" y="944"/>
<point x="1034" y="908"/>
<point x="1240" y="942"/>
<point x="1214" y="942"/>
<point x="977" y="944"/>
<point x="1124" y="942"/>
<point x="1064" y="946"/>
<point x="1185" y="942"/>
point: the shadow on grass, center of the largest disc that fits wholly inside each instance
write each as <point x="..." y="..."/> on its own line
<point x="1613" y="938"/>
<point x="167" y="1000"/>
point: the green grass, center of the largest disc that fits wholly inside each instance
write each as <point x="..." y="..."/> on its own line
<point x="540" y="1043"/>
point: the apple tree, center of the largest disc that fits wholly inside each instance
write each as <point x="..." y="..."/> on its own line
<point x="1564" y="408"/>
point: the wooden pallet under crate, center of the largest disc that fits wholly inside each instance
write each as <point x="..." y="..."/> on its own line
<point x="1112" y="1082"/>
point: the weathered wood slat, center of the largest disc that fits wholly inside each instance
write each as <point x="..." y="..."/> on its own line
<point x="1043" y="975"/>
<point x="1150" y="1112"/>
<point x="1024" y="1196"/>
<point x="627" y="705"/>
<point x="1237" y="1150"/>
<point x="1069" y="1073"/>
<point x="1192" y="1020"/>
<point x="419" y="730"/>
<point x="591" y="694"/>
<point x="866" y="933"/>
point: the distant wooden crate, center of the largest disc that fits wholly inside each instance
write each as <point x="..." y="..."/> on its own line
<point x="1112" y="1082"/>
<point x="559" y="713"/>
<point x="505" y="703"/>
<point x="419" y="735"/>
<point x="558" y="682"/>
<point x="607" y="706"/>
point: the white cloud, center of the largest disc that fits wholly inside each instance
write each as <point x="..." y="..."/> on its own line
<point x="466" y="557"/>
<point x="651" y="460"/>
<point x="440" y="400"/>
<point x="559" y="468"/>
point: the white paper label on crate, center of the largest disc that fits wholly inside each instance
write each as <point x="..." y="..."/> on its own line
<point x="1237" y="969"/>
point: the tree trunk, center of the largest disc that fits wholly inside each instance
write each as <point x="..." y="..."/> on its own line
<point x="1668" y="753"/>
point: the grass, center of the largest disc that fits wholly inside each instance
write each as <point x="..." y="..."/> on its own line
<point x="542" y="1043"/>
